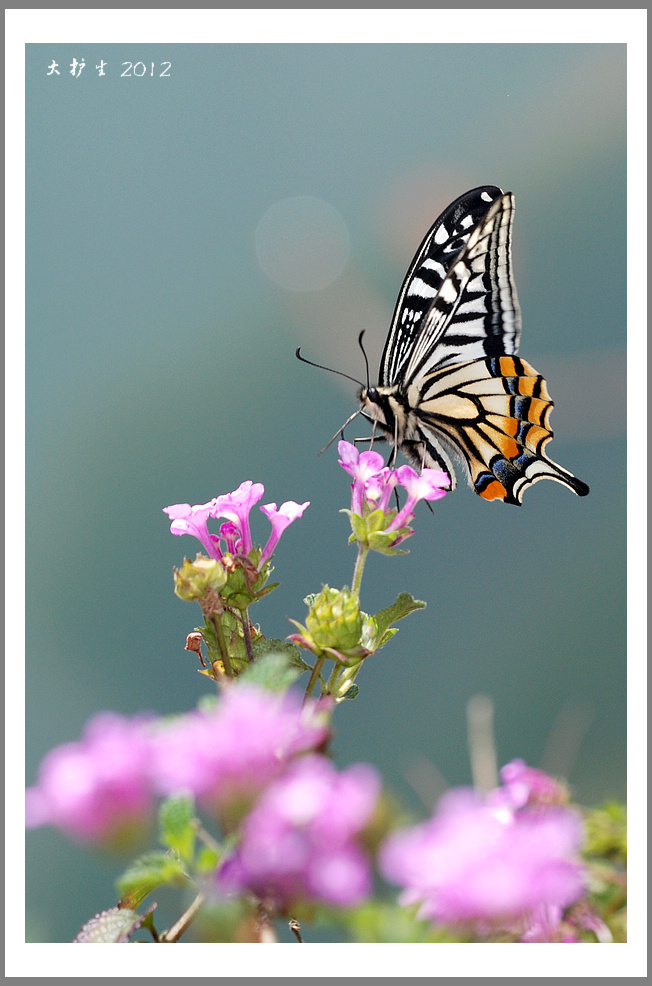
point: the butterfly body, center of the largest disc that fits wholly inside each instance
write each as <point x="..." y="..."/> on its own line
<point x="452" y="389"/>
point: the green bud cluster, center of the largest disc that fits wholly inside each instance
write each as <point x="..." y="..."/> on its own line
<point x="193" y="580"/>
<point x="334" y="625"/>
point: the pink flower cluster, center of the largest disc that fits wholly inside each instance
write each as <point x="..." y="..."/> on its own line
<point x="107" y="783"/>
<point x="235" y="535"/>
<point x="97" y="789"/>
<point x="300" y="843"/>
<point x="374" y="482"/>
<point x="507" y="860"/>
<point x="231" y="753"/>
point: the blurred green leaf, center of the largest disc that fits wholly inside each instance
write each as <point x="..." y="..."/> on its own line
<point x="276" y="665"/>
<point x="151" y="870"/>
<point x="177" y="831"/>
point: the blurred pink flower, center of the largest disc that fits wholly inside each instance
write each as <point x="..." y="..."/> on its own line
<point x="231" y="752"/>
<point x="98" y="789"/>
<point x="483" y="860"/>
<point x="300" y="841"/>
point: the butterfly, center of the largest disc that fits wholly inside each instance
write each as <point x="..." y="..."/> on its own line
<point x="451" y="387"/>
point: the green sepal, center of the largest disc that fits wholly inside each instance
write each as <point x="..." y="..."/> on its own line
<point x="154" y="869"/>
<point x="195" y="578"/>
<point x="176" y="825"/>
<point x="382" y="542"/>
<point x="388" y="634"/>
<point x="237" y="592"/>
<point x="351" y="692"/>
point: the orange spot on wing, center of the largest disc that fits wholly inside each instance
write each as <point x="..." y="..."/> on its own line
<point x="526" y="386"/>
<point x="538" y="412"/>
<point x="528" y="370"/>
<point x="508" y="447"/>
<point x="507" y="366"/>
<point x="494" y="491"/>
<point x="535" y="436"/>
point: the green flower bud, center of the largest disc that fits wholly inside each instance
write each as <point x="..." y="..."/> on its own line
<point x="195" y="578"/>
<point x="334" y="620"/>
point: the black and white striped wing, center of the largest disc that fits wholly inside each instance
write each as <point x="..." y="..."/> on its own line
<point x="458" y="301"/>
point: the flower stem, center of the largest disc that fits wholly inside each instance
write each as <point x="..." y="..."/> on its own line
<point x="246" y="633"/>
<point x="184" y="922"/>
<point x="339" y="678"/>
<point x="221" y="643"/>
<point x="313" y="677"/>
<point x="335" y="673"/>
<point x="363" y="551"/>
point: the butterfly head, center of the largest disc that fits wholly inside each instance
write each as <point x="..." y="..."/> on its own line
<point x="383" y="407"/>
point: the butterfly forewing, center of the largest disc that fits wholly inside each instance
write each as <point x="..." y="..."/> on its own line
<point x="476" y="302"/>
<point x="443" y="247"/>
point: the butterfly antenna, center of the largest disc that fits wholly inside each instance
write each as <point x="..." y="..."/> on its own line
<point x="329" y="369"/>
<point x="366" y="361"/>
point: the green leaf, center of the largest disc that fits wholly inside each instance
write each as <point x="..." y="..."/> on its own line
<point x="177" y="831"/>
<point x="404" y="605"/>
<point x="207" y="859"/>
<point x="606" y="832"/>
<point x="110" y="927"/>
<point x="385" y="637"/>
<point x="148" y="872"/>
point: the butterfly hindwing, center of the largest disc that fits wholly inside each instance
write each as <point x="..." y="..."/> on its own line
<point x="493" y="415"/>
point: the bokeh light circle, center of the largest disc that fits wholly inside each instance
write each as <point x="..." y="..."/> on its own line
<point x="302" y="243"/>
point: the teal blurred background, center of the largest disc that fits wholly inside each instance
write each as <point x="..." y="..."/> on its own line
<point x="164" y="305"/>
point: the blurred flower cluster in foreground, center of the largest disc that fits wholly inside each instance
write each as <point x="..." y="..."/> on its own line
<point x="256" y="824"/>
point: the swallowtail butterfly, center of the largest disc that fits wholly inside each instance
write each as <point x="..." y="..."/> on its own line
<point x="451" y="386"/>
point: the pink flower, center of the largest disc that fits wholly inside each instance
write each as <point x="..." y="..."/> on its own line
<point x="235" y="533"/>
<point x="233" y="751"/>
<point x="280" y="519"/>
<point x="431" y="484"/>
<point x="523" y="785"/>
<point x="230" y="534"/>
<point x="300" y="841"/>
<point x="373" y="483"/>
<point x="98" y="789"/>
<point x="187" y="519"/>
<point x="367" y="468"/>
<point x="236" y="507"/>
<point x="480" y="860"/>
